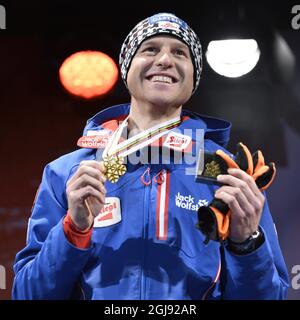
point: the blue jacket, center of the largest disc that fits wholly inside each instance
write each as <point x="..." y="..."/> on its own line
<point x="155" y="250"/>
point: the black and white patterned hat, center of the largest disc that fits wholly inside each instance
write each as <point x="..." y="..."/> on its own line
<point x="161" y="23"/>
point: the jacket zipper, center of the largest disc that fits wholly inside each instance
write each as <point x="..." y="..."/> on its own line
<point x="159" y="179"/>
<point x="162" y="200"/>
<point x="147" y="181"/>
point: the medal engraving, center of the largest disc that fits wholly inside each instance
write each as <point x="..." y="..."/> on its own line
<point x="114" y="167"/>
<point x="212" y="169"/>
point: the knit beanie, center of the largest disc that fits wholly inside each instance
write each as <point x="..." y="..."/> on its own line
<point x="161" y="23"/>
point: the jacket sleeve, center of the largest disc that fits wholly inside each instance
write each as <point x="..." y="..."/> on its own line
<point x="261" y="274"/>
<point x="49" y="267"/>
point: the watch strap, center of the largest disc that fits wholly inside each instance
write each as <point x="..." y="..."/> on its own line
<point x="247" y="246"/>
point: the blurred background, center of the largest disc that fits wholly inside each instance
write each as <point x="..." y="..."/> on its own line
<point x="41" y="120"/>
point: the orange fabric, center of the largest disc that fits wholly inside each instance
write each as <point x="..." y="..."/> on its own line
<point x="249" y="158"/>
<point x="260" y="161"/>
<point x="260" y="172"/>
<point x="184" y="118"/>
<point x="272" y="178"/>
<point x="230" y="162"/>
<point x="223" y="223"/>
<point x="263" y="170"/>
<point x="113" y="123"/>
<point x="80" y="239"/>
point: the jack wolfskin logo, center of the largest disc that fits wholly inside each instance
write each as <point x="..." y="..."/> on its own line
<point x="188" y="202"/>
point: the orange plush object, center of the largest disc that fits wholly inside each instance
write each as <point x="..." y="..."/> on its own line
<point x="214" y="219"/>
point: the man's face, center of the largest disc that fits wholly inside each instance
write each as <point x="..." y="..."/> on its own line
<point x="161" y="72"/>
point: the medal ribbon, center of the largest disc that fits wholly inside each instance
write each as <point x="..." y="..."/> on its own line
<point x="139" y="140"/>
<point x="114" y="152"/>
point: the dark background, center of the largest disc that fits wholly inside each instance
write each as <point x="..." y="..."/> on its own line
<point x="40" y="121"/>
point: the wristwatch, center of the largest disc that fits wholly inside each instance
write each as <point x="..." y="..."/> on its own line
<point x="249" y="245"/>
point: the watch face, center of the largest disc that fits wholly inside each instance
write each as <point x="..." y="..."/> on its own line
<point x="255" y="234"/>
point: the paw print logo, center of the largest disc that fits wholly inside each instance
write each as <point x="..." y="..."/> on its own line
<point x="202" y="202"/>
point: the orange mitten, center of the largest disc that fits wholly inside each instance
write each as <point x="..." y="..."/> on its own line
<point x="214" y="219"/>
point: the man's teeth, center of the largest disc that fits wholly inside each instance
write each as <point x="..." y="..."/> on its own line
<point x="162" y="79"/>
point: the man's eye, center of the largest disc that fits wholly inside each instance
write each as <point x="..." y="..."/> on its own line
<point x="180" y="52"/>
<point x="150" y="49"/>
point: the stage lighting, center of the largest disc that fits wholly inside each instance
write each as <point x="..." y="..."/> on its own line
<point x="233" y="57"/>
<point x="88" y="74"/>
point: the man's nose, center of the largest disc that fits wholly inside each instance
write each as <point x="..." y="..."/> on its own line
<point x="164" y="59"/>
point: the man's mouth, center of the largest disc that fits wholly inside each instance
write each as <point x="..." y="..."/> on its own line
<point x="163" y="79"/>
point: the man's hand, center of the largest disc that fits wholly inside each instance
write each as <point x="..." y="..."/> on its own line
<point x="245" y="202"/>
<point x="86" y="193"/>
<point x="236" y="209"/>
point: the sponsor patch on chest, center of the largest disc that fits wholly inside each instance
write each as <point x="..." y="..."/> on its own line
<point x="94" y="139"/>
<point x="110" y="213"/>
<point x="177" y="141"/>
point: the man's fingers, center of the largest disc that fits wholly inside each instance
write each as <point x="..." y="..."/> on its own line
<point x="95" y="170"/>
<point x="79" y="196"/>
<point x="240" y="179"/>
<point x="86" y="192"/>
<point x="94" y="164"/>
<point x="86" y="180"/>
<point x="231" y="201"/>
<point x="240" y="174"/>
<point x="244" y="203"/>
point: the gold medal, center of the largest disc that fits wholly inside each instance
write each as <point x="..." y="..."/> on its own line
<point x="114" y="167"/>
<point x="212" y="169"/>
<point x="114" y="152"/>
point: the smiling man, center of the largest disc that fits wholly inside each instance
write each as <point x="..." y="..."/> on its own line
<point x="160" y="80"/>
<point x="103" y="227"/>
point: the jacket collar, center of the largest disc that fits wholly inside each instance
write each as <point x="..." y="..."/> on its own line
<point x="214" y="129"/>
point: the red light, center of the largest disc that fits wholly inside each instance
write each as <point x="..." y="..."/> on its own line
<point x="88" y="74"/>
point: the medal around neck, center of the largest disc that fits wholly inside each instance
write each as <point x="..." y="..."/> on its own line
<point x="114" y="167"/>
<point x="114" y="163"/>
<point x="115" y="152"/>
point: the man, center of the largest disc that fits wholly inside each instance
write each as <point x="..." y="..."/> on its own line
<point x="98" y="232"/>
